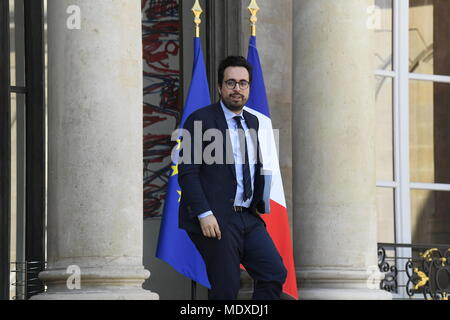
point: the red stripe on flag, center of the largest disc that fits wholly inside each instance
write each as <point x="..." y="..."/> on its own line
<point x="278" y="227"/>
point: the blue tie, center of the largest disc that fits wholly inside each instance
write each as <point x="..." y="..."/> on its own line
<point x="245" y="165"/>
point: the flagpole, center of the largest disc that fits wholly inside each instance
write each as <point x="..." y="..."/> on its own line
<point x="253" y="8"/>
<point x="197" y="11"/>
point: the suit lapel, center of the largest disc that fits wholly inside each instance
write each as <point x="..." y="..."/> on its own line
<point x="251" y="123"/>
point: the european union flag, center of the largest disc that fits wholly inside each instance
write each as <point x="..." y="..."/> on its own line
<point x="174" y="245"/>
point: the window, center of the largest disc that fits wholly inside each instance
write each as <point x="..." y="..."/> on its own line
<point x="22" y="156"/>
<point x="413" y="122"/>
<point x="413" y="126"/>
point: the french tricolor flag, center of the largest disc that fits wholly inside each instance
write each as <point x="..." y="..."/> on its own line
<point x="277" y="221"/>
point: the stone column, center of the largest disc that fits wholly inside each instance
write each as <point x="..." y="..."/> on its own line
<point x="95" y="169"/>
<point x="335" y="240"/>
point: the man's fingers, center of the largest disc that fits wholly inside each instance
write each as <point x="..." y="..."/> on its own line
<point x="217" y="231"/>
<point x="212" y="232"/>
<point x="206" y="232"/>
<point x="210" y="227"/>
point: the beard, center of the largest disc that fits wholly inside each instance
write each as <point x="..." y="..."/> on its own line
<point x="235" y="102"/>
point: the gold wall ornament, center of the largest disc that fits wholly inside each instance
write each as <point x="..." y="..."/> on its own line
<point x="197" y="10"/>
<point x="253" y="8"/>
<point x="423" y="279"/>
<point x="427" y="254"/>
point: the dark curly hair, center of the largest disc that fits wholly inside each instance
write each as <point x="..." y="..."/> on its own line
<point x="233" y="61"/>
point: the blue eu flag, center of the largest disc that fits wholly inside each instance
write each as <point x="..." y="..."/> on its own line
<point x="174" y="245"/>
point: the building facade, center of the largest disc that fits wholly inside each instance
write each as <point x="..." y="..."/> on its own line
<point x="357" y="89"/>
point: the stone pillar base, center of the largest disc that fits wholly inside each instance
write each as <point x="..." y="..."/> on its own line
<point x="103" y="294"/>
<point x="341" y="284"/>
<point x="343" y="294"/>
<point x="96" y="283"/>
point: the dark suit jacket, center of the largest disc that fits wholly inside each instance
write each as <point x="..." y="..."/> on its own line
<point x="212" y="187"/>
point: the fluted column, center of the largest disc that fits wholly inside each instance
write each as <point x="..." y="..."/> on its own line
<point x="335" y="221"/>
<point x="95" y="169"/>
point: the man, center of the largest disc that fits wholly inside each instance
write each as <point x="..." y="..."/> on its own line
<point x="221" y="202"/>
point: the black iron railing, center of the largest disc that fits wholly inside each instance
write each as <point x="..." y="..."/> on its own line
<point x="415" y="271"/>
<point x="26" y="281"/>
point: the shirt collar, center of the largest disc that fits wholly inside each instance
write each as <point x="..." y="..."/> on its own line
<point x="229" y="115"/>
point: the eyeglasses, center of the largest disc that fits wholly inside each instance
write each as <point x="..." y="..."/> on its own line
<point x="231" y="84"/>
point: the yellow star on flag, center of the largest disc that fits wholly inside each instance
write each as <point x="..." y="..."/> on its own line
<point x="174" y="170"/>
<point x="179" y="193"/>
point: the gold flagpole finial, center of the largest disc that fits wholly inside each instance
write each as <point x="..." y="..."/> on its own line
<point x="197" y="10"/>
<point x="253" y="8"/>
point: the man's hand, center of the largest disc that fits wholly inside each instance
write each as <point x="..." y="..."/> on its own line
<point x="210" y="227"/>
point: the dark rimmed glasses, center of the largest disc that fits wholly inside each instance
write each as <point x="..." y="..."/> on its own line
<point x="231" y="84"/>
